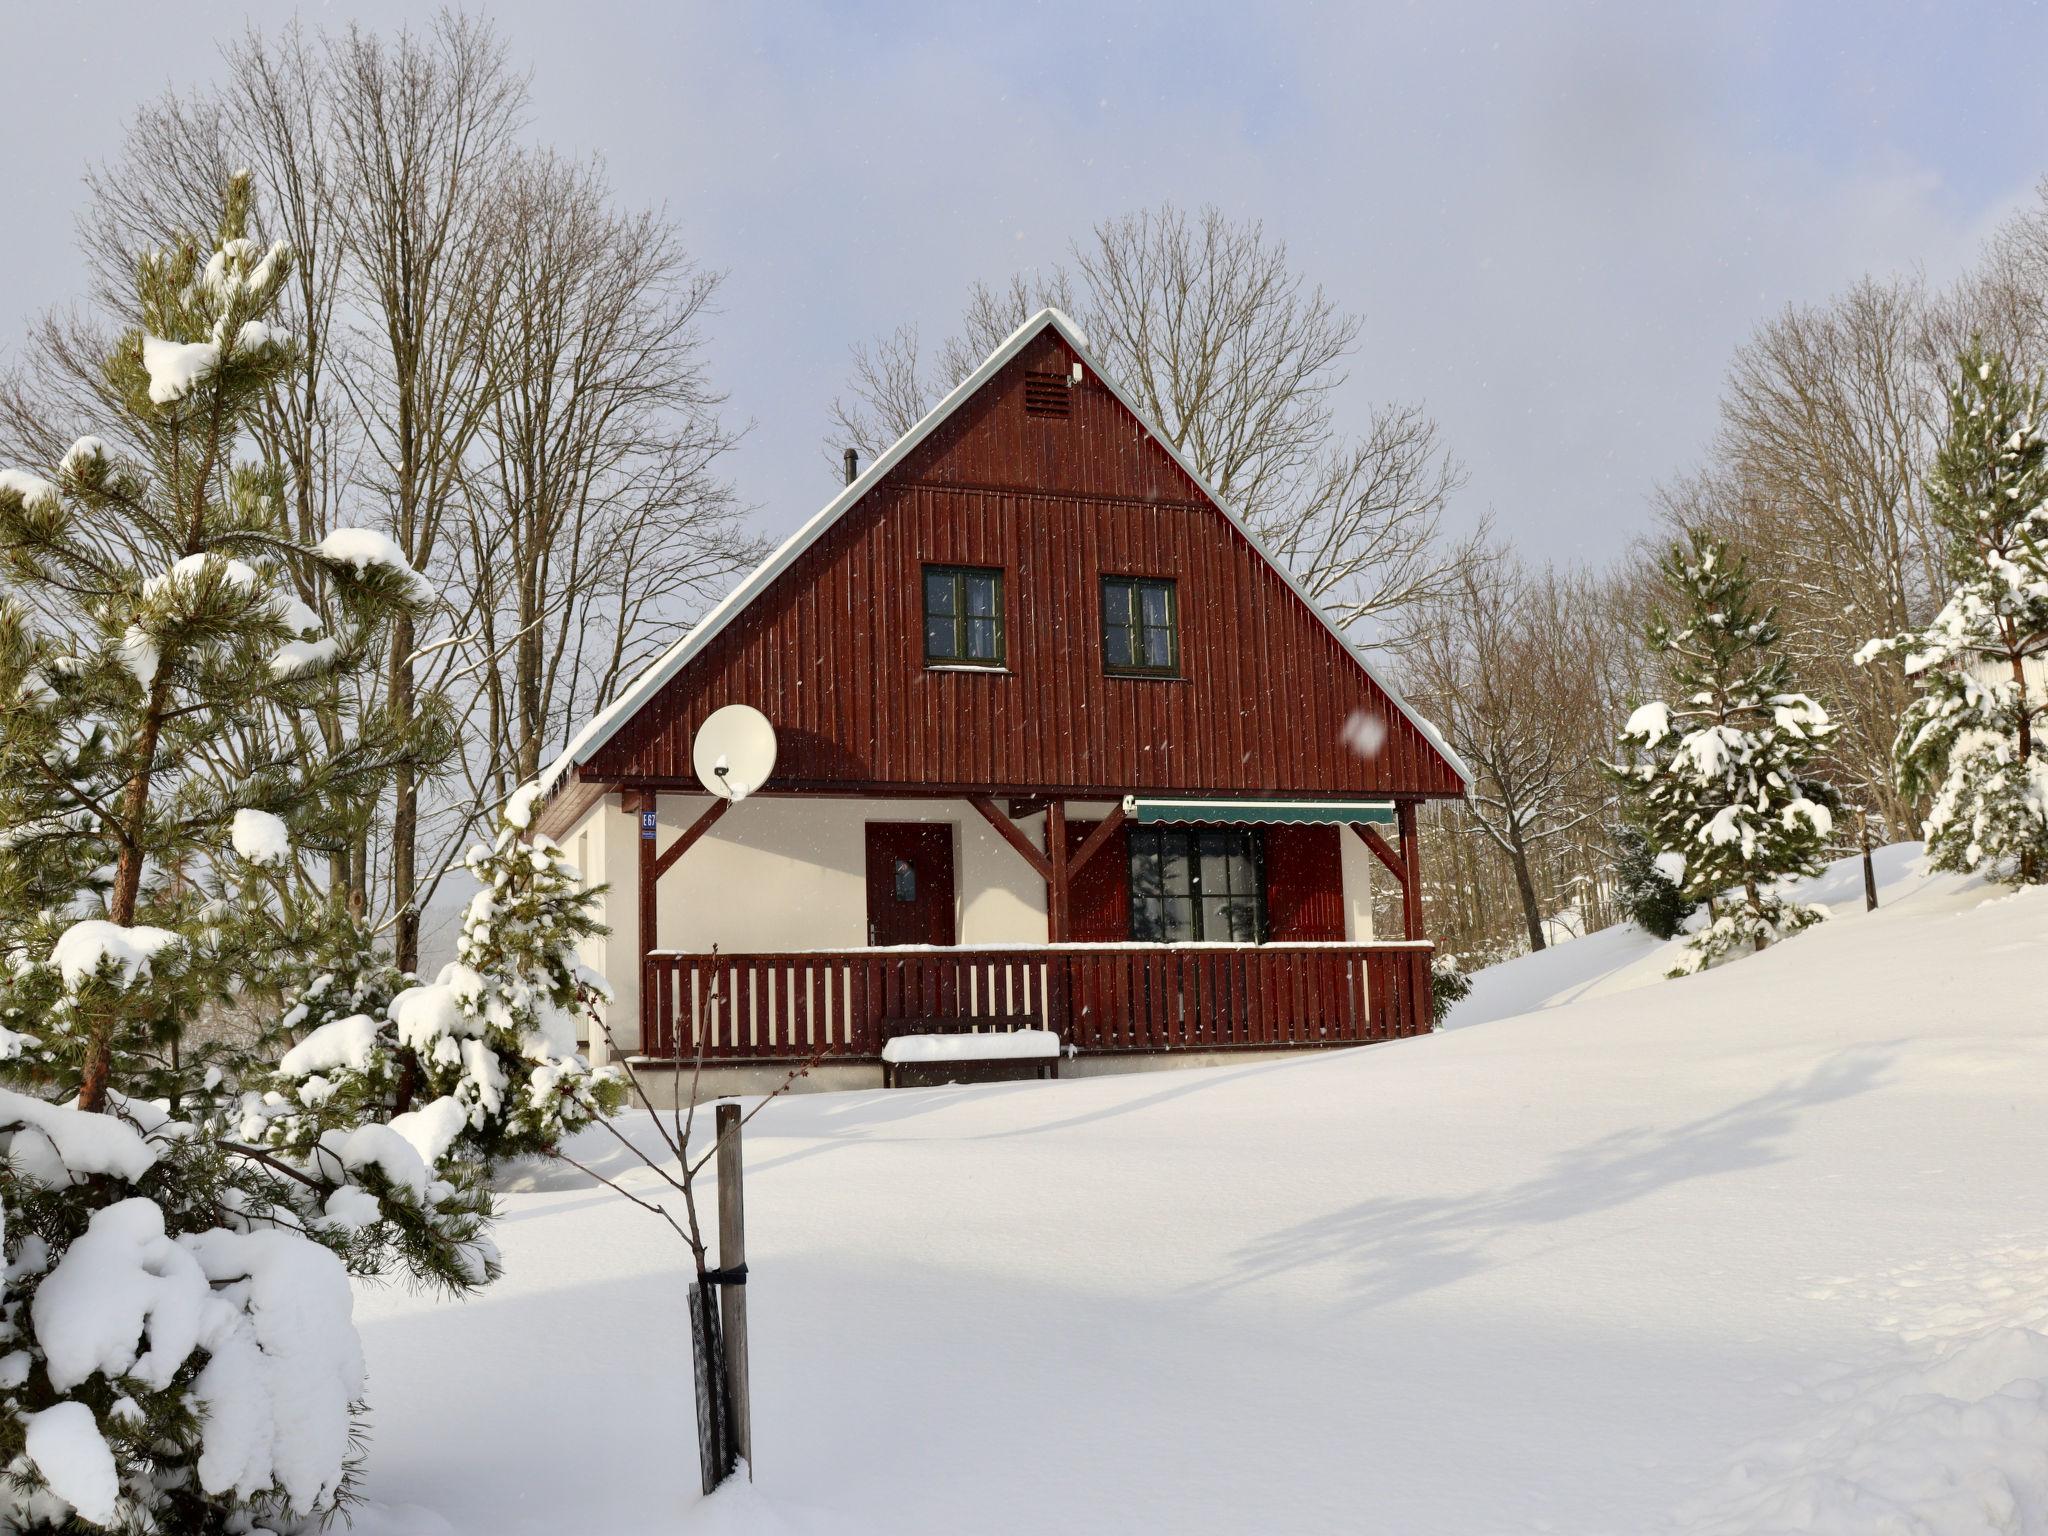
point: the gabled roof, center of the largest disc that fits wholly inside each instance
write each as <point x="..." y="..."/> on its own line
<point x="601" y="728"/>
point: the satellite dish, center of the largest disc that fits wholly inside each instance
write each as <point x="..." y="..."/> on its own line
<point x="734" y="752"/>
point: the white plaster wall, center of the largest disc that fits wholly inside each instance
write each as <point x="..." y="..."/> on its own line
<point x="602" y="849"/>
<point x="782" y="873"/>
<point x="1360" y="870"/>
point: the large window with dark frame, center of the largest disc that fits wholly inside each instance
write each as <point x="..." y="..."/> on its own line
<point x="1197" y="884"/>
<point x="963" y="616"/>
<point x="1140" y="626"/>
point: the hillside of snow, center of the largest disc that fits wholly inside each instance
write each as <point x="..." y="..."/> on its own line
<point x="1623" y="957"/>
<point x="1756" y="1251"/>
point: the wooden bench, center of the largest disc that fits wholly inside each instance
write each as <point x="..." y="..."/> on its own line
<point x="985" y="1042"/>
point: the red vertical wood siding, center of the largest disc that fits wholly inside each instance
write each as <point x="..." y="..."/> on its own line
<point x="1304" y="884"/>
<point x="832" y="650"/>
<point x="1102" y="890"/>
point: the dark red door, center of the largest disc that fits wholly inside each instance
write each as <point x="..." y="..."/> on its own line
<point x="910" y="882"/>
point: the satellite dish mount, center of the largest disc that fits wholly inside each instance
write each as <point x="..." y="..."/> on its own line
<point x="734" y="752"/>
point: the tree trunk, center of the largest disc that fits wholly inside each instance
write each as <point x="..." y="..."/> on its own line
<point x="1869" y="869"/>
<point x="97" y="1072"/>
<point x="2030" y="863"/>
<point x="1525" y="886"/>
<point x="405" y="809"/>
<point x="1756" y="909"/>
<point x="531" y="663"/>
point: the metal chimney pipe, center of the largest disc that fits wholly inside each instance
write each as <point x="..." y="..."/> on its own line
<point x="852" y="465"/>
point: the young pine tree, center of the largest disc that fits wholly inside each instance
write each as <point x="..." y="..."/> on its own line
<point x="160" y="650"/>
<point x="479" y="1065"/>
<point x="1720" y="776"/>
<point x="1971" y="739"/>
<point x="178" y="1353"/>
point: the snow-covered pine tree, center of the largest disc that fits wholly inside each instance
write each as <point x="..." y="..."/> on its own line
<point x="176" y="1352"/>
<point x="480" y="1064"/>
<point x="1971" y="739"/>
<point x="1721" y="776"/>
<point x="165" y="663"/>
<point x="1643" y="887"/>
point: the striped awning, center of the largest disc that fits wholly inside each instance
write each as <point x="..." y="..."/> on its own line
<point x="1292" y="812"/>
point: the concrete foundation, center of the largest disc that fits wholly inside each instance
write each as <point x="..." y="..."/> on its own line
<point x="665" y="1085"/>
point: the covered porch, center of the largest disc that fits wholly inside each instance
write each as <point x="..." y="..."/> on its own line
<point x="1146" y="926"/>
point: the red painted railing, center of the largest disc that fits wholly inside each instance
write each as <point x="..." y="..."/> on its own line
<point x="1121" y="997"/>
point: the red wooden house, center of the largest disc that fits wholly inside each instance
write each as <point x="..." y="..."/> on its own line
<point x="1057" y="739"/>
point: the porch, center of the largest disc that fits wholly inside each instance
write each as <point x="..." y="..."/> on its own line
<point x="1131" y="929"/>
<point x="1099" y="999"/>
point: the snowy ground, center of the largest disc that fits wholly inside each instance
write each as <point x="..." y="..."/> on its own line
<point x="1622" y="958"/>
<point x="1760" y="1250"/>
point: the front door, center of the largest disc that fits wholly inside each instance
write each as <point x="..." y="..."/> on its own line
<point x="910" y="882"/>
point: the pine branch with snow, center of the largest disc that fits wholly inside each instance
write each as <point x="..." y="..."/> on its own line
<point x="1720" y="776"/>
<point x="475" y="1067"/>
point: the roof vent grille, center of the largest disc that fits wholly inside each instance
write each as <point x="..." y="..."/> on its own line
<point x="1047" y="394"/>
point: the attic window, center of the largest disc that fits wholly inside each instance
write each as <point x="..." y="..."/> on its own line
<point x="1047" y="394"/>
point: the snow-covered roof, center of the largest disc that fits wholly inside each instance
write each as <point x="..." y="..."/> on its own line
<point x="605" y="724"/>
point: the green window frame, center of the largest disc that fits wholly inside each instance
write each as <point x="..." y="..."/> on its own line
<point x="963" y="616"/>
<point x="1140" y="626"/>
<point x="1197" y="885"/>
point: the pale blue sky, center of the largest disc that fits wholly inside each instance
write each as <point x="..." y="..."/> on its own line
<point x="1557" y="219"/>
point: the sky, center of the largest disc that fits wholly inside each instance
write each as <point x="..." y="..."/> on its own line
<point x="1556" y="221"/>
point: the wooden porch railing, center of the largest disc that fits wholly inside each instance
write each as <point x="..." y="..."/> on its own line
<point x="1120" y="997"/>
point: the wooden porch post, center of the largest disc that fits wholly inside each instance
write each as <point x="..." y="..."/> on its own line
<point x="1405" y="866"/>
<point x="1421" y="988"/>
<point x="652" y="868"/>
<point x="642" y="804"/>
<point x="1057" y="926"/>
<point x="1411" y="871"/>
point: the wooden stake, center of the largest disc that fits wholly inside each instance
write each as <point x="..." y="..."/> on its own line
<point x="1869" y="872"/>
<point x="732" y="1295"/>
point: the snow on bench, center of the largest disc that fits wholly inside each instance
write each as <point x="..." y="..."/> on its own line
<point x="1004" y="1045"/>
<point x="976" y="1040"/>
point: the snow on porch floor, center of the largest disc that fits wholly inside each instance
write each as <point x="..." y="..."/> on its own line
<point x="1752" y="1251"/>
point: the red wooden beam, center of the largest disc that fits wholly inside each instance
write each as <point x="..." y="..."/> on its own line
<point x="1012" y="834"/>
<point x="1092" y="844"/>
<point x="1383" y="851"/>
<point x="1056" y="920"/>
<point x="688" y="840"/>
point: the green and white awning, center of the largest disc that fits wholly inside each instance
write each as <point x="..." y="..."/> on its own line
<point x="1289" y="812"/>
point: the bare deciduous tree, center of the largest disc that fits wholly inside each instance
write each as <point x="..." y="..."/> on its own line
<point x="421" y="126"/>
<point x="595" y="514"/>
<point x="1499" y="667"/>
<point x="1827" y="423"/>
